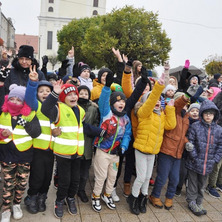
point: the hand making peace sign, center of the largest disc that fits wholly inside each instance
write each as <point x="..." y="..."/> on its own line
<point x="33" y="75"/>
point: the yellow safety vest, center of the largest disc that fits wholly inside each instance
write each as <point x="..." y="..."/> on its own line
<point x="71" y="140"/>
<point x="20" y="137"/>
<point x="44" y="139"/>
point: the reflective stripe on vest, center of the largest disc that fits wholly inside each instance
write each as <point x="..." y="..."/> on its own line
<point x="20" y="137"/>
<point x="44" y="139"/>
<point x="71" y="140"/>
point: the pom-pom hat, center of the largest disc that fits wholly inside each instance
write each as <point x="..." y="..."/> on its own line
<point x="67" y="88"/>
<point x="17" y="91"/>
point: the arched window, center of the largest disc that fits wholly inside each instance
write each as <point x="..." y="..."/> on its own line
<point x="95" y="3"/>
<point x="50" y="9"/>
<point x="51" y="1"/>
<point x="95" y="12"/>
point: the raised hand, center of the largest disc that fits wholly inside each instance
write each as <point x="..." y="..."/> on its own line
<point x="33" y="75"/>
<point x="125" y="58"/>
<point x="187" y="64"/>
<point x="109" y="79"/>
<point x="71" y="52"/>
<point x="171" y="102"/>
<point x="161" y="80"/>
<point x="58" y="86"/>
<point x="117" y="54"/>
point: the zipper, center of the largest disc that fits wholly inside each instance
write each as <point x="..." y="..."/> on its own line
<point x="206" y="153"/>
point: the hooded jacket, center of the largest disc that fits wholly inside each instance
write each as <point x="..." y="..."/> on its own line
<point x="207" y="141"/>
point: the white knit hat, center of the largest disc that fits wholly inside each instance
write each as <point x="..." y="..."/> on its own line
<point x="168" y="87"/>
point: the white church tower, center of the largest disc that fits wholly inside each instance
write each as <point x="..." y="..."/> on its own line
<point x="54" y="14"/>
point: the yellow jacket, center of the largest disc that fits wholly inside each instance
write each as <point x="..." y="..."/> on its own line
<point x="96" y="90"/>
<point x="150" y="129"/>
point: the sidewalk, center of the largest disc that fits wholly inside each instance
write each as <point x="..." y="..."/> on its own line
<point x="179" y="212"/>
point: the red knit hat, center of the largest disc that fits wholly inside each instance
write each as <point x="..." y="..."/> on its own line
<point x="67" y="88"/>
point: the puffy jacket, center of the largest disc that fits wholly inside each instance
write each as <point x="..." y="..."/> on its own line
<point x="175" y="139"/>
<point x="96" y="90"/>
<point x="151" y="125"/>
<point x="207" y="141"/>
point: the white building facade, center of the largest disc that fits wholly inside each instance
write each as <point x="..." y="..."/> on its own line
<point x="54" y="14"/>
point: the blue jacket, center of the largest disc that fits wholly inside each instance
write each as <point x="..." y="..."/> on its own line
<point x="118" y="129"/>
<point x="207" y="141"/>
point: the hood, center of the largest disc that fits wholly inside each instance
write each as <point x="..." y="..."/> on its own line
<point x="216" y="90"/>
<point x="207" y="104"/>
<point x="193" y="76"/>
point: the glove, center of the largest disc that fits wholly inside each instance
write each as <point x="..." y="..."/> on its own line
<point x="120" y="151"/>
<point x="62" y="70"/>
<point x="4" y="74"/>
<point x="65" y="64"/>
<point x="144" y="75"/>
<point x="189" y="146"/>
<point x="191" y="91"/>
<point x="171" y="102"/>
<point x="187" y="64"/>
<point x="130" y="63"/>
<point x="45" y="60"/>
<point x="21" y="121"/>
<point x="109" y="79"/>
<point x="161" y="79"/>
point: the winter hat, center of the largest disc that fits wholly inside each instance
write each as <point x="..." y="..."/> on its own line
<point x="178" y="95"/>
<point x="45" y="83"/>
<point x="26" y="51"/>
<point x="169" y="87"/>
<point x="116" y="96"/>
<point x="84" y="87"/>
<point x="217" y="76"/>
<point x="17" y="91"/>
<point x="67" y="88"/>
<point x="84" y="67"/>
<point x="194" y="105"/>
<point x="66" y="78"/>
<point x="52" y="76"/>
<point x="100" y="73"/>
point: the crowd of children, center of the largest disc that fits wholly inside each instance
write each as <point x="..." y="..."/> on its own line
<point x="74" y="119"/>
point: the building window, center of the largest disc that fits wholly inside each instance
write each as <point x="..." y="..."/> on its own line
<point x="49" y="40"/>
<point x="95" y="12"/>
<point x="95" y="3"/>
<point x="50" y="9"/>
<point x="51" y="1"/>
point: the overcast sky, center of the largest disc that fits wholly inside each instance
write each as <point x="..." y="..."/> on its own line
<point x="194" y="26"/>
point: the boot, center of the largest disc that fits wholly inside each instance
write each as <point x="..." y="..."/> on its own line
<point x="33" y="206"/>
<point x="41" y="202"/>
<point x="133" y="204"/>
<point x="168" y="203"/>
<point x="142" y="199"/>
<point x="126" y="191"/>
<point x="156" y="202"/>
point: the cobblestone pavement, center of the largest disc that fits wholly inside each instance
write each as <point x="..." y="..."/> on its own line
<point x="179" y="212"/>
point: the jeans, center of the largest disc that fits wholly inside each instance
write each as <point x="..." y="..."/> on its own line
<point x="168" y="167"/>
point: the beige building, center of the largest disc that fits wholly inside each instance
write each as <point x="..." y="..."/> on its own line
<point x="54" y="14"/>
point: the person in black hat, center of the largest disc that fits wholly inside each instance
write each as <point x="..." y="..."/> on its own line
<point x="19" y="74"/>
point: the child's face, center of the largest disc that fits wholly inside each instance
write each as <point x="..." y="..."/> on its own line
<point x="208" y="116"/>
<point x="158" y="105"/>
<point x="15" y="100"/>
<point x="85" y="74"/>
<point x="119" y="105"/>
<point x="172" y="82"/>
<point x="43" y="92"/>
<point x="170" y="93"/>
<point x="194" y="81"/>
<point x="84" y="94"/>
<point x="103" y="78"/>
<point x="71" y="99"/>
<point x="194" y="113"/>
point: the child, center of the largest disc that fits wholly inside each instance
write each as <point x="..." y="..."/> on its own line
<point x="118" y="131"/>
<point x="193" y="113"/>
<point x="84" y="76"/>
<point x="43" y="158"/>
<point x="19" y="126"/>
<point x="91" y="117"/>
<point x="169" y="92"/>
<point x="151" y="124"/>
<point x="168" y="164"/>
<point x="69" y="144"/>
<point x="206" y="149"/>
